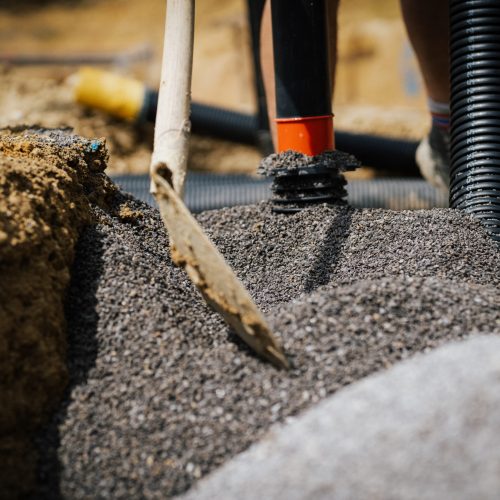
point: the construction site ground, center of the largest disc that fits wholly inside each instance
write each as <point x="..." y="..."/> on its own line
<point x="378" y="87"/>
<point x="120" y="382"/>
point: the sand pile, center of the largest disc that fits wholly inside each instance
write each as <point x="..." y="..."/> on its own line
<point x="48" y="180"/>
<point x="161" y="393"/>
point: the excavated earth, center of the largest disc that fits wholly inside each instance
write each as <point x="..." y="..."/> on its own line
<point x="48" y="182"/>
<point x="161" y="392"/>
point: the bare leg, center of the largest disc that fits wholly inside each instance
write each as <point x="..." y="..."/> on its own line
<point x="267" y="59"/>
<point x="427" y="23"/>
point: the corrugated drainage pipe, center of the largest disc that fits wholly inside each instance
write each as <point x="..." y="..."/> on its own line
<point x="475" y="110"/>
<point x="206" y="191"/>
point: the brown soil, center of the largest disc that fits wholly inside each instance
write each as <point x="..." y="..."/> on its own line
<point x="47" y="179"/>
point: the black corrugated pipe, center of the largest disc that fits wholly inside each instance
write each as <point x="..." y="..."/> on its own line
<point x="205" y="191"/>
<point x="475" y="110"/>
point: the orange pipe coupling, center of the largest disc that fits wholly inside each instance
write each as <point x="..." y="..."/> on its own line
<point x="310" y="135"/>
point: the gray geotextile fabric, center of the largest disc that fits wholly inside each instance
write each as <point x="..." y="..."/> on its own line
<point x="428" y="428"/>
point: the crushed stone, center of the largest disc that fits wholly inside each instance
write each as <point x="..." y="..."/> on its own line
<point x="161" y="393"/>
<point x="292" y="160"/>
<point x="417" y="430"/>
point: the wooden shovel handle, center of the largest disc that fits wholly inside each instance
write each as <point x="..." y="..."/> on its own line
<point x="172" y="127"/>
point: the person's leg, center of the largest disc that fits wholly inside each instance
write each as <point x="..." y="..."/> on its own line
<point x="427" y="23"/>
<point x="267" y="59"/>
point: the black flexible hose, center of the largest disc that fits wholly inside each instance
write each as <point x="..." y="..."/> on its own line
<point x="475" y="110"/>
<point x="234" y="126"/>
<point x="210" y="120"/>
<point x="383" y="153"/>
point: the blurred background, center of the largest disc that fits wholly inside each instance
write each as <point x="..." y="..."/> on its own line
<point x="378" y="88"/>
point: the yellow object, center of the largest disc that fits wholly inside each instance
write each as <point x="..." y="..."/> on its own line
<point x="117" y="95"/>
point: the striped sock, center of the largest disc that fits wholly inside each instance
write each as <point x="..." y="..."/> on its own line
<point x="440" y="113"/>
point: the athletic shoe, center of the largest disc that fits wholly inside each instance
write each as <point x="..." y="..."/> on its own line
<point x="433" y="157"/>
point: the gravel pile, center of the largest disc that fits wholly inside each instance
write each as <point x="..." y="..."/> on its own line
<point x="428" y="428"/>
<point x="162" y="393"/>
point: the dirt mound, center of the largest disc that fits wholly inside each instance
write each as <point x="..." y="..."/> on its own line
<point x="161" y="393"/>
<point x="48" y="179"/>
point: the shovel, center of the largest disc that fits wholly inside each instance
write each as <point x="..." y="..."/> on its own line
<point x="190" y="247"/>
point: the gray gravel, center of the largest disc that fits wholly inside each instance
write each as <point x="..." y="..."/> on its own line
<point x="161" y="392"/>
<point x="292" y="160"/>
<point x="428" y="428"/>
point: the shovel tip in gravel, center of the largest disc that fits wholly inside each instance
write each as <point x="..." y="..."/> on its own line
<point x="195" y="253"/>
<point x="190" y="247"/>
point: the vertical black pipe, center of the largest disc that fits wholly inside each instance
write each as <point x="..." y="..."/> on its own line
<point x="302" y="74"/>
<point x="475" y="110"/>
